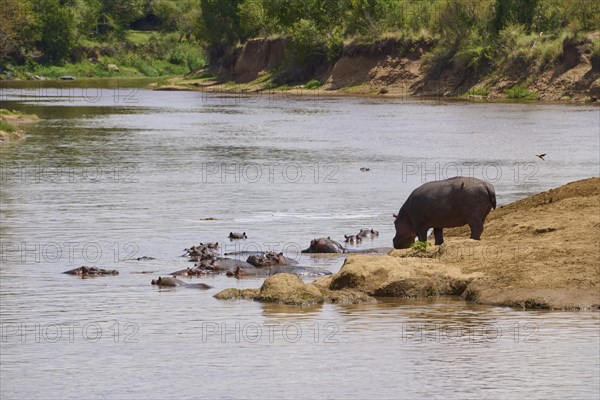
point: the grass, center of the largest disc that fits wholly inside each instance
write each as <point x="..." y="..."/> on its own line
<point x="138" y="37"/>
<point x="478" y="91"/>
<point x="6" y="127"/>
<point x="313" y="84"/>
<point x="518" y="92"/>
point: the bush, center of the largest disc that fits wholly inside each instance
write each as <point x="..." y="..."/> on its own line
<point x="313" y="84"/>
<point x="306" y="42"/>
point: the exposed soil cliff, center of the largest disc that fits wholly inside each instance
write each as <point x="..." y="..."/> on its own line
<point x="397" y="68"/>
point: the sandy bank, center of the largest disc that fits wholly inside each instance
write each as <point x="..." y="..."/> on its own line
<point x="12" y="120"/>
<point x="539" y="252"/>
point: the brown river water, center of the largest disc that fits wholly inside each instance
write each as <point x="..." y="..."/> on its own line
<point x="110" y="174"/>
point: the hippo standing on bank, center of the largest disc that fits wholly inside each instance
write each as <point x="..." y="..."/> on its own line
<point x="444" y="204"/>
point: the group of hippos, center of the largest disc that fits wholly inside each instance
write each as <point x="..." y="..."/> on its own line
<point x="207" y="260"/>
<point x="440" y="204"/>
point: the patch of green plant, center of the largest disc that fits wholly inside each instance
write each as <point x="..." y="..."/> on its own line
<point x="313" y="84"/>
<point x="473" y="56"/>
<point x="138" y="37"/>
<point x="439" y="58"/>
<point x="518" y="92"/>
<point x="420" y="246"/>
<point x="6" y="127"/>
<point x="270" y="85"/>
<point x="478" y="91"/>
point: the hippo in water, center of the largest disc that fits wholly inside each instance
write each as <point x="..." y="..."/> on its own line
<point x="91" y="271"/>
<point x="368" y="233"/>
<point x="324" y="245"/>
<point x="202" y="250"/>
<point x="444" y="204"/>
<point x="270" y="259"/>
<point x="279" y="269"/>
<point x="195" y="271"/>
<point x="353" y="239"/>
<point x="171" y="281"/>
<point x="236" y="236"/>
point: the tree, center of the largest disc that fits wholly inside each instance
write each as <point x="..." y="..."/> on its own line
<point x="56" y="29"/>
<point x="15" y="17"/>
<point x="220" y="22"/>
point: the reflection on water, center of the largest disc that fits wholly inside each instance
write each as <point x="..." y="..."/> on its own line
<point x="106" y="181"/>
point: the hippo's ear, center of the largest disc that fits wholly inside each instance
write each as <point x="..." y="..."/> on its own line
<point x="329" y="237"/>
<point x="395" y="215"/>
<point x="280" y="254"/>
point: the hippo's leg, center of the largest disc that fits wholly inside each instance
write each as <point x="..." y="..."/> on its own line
<point x="422" y="234"/>
<point x="438" y="233"/>
<point x="476" y="226"/>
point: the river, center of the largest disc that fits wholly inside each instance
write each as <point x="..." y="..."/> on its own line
<point x="112" y="173"/>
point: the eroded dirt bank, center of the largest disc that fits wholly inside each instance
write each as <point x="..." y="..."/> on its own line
<point x="539" y="252"/>
<point x="393" y="67"/>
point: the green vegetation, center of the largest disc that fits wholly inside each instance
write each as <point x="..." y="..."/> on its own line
<point x="478" y="91"/>
<point x="83" y="38"/>
<point x="518" y="92"/>
<point x="420" y="246"/>
<point x="165" y="37"/>
<point x="313" y="84"/>
<point x="6" y="127"/>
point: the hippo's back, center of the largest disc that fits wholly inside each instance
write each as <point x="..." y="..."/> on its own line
<point x="450" y="202"/>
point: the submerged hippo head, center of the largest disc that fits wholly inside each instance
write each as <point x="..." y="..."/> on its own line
<point x="324" y="245"/>
<point x="353" y="239"/>
<point x="368" y="233"/>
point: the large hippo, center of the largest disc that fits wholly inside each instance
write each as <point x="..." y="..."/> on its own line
<point x="444" y="204"/>
<point x="324" y="245"/>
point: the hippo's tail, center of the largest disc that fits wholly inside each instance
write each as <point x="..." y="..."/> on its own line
<point x="492" y="194"/>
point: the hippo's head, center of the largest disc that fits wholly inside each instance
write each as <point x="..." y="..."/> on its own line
<point x="405" y="233"/>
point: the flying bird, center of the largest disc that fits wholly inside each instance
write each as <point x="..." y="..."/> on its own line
<point x="541" y="156"/>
